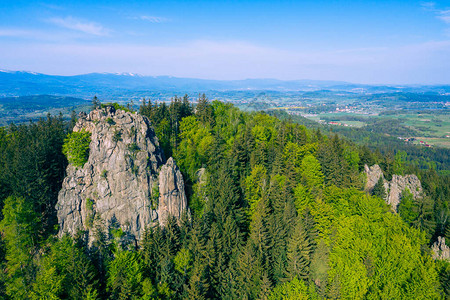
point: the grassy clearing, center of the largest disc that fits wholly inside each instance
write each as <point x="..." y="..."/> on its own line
<point x="430" y="125"/>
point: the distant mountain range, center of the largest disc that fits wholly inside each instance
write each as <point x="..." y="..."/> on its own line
<point x="20" y="83"/>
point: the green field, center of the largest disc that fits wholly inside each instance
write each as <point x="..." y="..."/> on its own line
<point x="438" y="142"/>
<point x="433" y="128"/>
<point x="431" y="125"/>
<point x="339" y="117"/>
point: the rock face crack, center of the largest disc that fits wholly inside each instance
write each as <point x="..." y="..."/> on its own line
<point x="121" y="186"/>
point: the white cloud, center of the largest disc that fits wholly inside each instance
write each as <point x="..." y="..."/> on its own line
<point x="441" y="14"/>
<point x="444" y="15"/>
<point x="81" y="26"/>
<point x="154" y="19"/>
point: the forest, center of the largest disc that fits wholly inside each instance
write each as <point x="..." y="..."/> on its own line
<point x="375" y="137"/>
<point x="278" y="212"/>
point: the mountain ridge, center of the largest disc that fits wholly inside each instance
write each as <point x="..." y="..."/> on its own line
<point x="22" y="83"/>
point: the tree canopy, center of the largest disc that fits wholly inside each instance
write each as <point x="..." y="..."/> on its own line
<point x="278" y="212"/>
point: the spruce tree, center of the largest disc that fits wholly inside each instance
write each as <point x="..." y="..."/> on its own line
<point x="20" y="235"/>
<point x="298" y="253"/>
<point x="96" y="103"/>
<point x="378" y="189"/>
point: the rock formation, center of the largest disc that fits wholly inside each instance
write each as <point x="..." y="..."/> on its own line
<point x="373" y="175"/>
<point x="395" y="187"/>
<point x="440" y="250"/>
<point x="400" y="183"/>
<point x="172" y="200"/>
<point x="124" y="179"/>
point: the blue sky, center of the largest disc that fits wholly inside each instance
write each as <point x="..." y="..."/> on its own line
<point x="394" y="42"/>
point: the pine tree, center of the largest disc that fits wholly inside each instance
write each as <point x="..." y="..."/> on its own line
<point x="423" y="208"/>
<point x="249" y="272"/>
<point x="96" y="103"/>
<point x="335" y="167"/>
<point x="298" y="253"/>
<point x="48" y="285"/>
<point x="256" y="185"/>
<point x="125" y="276"/>
<point x="265" y="287"/>
<point x="378" y="189"/>
<point x="65" y="270"/>
<point x="399" y="162"/>
<point x="18" y="227"/>
<point x="204" y="111"/>
<point x="197" y="286"/>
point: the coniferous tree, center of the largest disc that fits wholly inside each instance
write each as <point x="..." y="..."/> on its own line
<point x="125" y="276"/>
<point x="378" y="189"/>
<point x="298" y="253"/>
<point x="96" y="103"/>
<point x="21" y="238"/>
<point x="48" y="285"/>
<point x="197" y="286"/>
<point x="204" y="111"/>
<point x="65" y="271"/>
<point x="423" y="208"/>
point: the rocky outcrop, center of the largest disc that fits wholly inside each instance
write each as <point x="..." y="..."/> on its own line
<point x="172" y="198"/>
<point x="440" y="250"/>
<point x="122" y="178"/>
<point x="373" y="175"/>
<point x="393" y="188"/>
<point x="398" y="184"/>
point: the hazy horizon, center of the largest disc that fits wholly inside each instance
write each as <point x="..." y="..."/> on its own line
<point x="240" y="79"/>
<point x="387" y="42"/>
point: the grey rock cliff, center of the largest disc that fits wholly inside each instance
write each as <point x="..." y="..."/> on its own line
<point x="121" y="180"/>
<point x="400" y="183"/>
<point x="440" y="250"/>
<point x="395" y="187"/>
<point x="172" y="199"/>
<point x="373" y="175"/>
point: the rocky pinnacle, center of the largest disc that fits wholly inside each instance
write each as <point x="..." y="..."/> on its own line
<point x="124" y="181"/>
